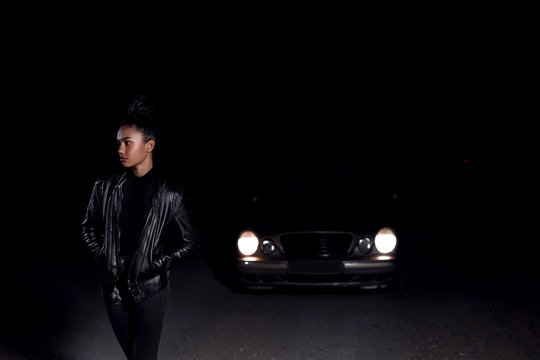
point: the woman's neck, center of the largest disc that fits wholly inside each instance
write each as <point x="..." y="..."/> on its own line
<point x="141" y="169"/>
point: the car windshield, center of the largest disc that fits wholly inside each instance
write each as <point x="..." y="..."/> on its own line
<point x="319" y="188"/>
<point x="324" y="189"/>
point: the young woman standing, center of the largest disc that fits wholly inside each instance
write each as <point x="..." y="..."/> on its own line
<point x="138" y="226"/>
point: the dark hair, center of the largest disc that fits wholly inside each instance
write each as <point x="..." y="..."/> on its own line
<point x="141" y="113"/>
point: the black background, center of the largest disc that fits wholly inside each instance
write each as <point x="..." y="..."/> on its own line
<point x="441" y="99"/>
<point x="445" y="112"/>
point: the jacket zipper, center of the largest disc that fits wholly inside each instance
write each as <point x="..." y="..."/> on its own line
<point x="149" y="224"/>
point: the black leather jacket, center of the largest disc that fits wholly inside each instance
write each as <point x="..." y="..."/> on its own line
<point x="168" y="236"/>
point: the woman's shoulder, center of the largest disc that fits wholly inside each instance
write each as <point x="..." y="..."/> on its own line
<point x="171" y="185"/>
<point x="110" y="178"/>
<point x="171" y="188"/>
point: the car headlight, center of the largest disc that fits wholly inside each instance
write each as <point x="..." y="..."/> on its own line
<point x="365" y="245"/>
<point x="267" y="246"/>
<point x="247" y="242"/>
<point x="385" y="240"/>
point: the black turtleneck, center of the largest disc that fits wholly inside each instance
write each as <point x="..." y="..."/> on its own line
<point x="136" y="203"/>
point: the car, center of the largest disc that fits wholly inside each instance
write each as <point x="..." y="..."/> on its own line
<point x="316" y="228"/>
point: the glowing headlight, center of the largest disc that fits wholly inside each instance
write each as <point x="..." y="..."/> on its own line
<point x="248" y="243"/>
<point x="385" y="241"/>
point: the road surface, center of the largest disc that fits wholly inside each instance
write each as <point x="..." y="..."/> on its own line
<point x="56" y="312"/>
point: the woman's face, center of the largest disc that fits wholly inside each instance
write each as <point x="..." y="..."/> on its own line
<point x="132" y="149"/>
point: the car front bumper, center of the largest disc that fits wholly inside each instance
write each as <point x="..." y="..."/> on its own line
<point x="372" y="273"/>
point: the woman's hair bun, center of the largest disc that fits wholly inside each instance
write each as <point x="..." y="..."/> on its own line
<point x="141" y="106"/>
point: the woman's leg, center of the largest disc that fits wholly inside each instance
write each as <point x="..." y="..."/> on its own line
<point x="146" y="324"/>
<point x="119" y="318"/>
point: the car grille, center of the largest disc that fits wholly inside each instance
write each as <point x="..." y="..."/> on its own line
<point x="312" y="245"/>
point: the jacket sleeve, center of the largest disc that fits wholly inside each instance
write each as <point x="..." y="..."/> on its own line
<point x="188" y="241"/>
<point x="91" y="227"/>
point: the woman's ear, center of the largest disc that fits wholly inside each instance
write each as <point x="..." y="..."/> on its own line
<point x="149" y="146"/>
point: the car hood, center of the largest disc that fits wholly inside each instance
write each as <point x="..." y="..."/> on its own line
<point x="333" y="200"/>
<point x="289" y="217"/>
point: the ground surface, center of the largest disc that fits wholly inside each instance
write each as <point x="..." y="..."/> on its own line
<point x="59" y="314"/>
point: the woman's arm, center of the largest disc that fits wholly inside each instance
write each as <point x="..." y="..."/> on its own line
<point x="91" y="227"/>
<point x="186" y="237"/>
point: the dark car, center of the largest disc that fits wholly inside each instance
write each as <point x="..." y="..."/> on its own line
<point x="329" y="227"/>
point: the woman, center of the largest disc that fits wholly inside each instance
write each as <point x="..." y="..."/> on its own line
<point x="137" y="226"/>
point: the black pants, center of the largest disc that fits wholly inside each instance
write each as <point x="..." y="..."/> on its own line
<point x="138" y="327"/>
